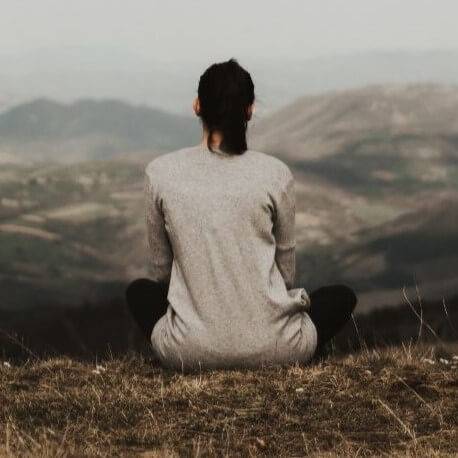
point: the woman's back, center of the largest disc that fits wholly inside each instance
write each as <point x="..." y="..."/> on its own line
<point x="221" y="227"/>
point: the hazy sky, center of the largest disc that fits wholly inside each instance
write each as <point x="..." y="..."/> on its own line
<point x="202" y="29"/>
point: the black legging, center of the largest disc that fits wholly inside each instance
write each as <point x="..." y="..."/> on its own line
<point x="331" y="306"/>
<point x="147" y="301"/>
<point x="331" y="309"/>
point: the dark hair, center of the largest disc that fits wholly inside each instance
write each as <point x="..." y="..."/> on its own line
<point x="225" y="92"/>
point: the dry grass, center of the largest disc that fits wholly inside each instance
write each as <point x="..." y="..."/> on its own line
<point x="394" y="401"/>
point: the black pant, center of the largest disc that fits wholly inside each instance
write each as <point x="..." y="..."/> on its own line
<point x="147" y="301"/>
<point x="331" y="306"/>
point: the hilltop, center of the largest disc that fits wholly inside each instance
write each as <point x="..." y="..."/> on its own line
<point x="87" y="129"/>
<point x="393" y="401"/>
<point x="337" y="122"/>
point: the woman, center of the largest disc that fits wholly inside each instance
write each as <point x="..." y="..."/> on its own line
<point x="220" y="223"/>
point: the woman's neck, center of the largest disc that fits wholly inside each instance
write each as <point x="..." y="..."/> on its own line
<point x="216" y="138"/>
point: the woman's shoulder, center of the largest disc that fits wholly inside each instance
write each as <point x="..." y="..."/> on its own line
<point x="163" y="162"/>
<point x="271" y="163"/>
<point x="171" y="162"/>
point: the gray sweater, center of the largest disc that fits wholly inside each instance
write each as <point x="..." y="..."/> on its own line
<point x="221" y="229"/>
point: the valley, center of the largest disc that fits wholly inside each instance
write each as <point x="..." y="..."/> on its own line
<point x="376" y="201"/>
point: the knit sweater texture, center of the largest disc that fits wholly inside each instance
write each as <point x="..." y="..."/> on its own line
<point x="221" y="231"/>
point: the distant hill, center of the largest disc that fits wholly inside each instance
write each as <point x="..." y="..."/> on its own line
<point x="333" y="124"/>
<point x="91" y="129"/>
<point x="420" y="247"/>
<point x="377" y="186"/>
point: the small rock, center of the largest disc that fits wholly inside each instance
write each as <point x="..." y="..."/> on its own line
<point x="6" y="364"/>
<point x="429" y="361"/>
<point x="261" y="442"/>
<point x="299" y="390"/>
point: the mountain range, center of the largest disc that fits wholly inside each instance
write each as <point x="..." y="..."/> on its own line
<point x="376" y="173"/>
<point x="46" y="130"/>
<point x="72" y="73"/>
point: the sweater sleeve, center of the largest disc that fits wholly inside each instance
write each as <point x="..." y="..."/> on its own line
<point x="160" y="250"/>
<point x="284" y="229"/>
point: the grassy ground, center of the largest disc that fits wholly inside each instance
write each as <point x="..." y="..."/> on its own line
<point x="392" y="401"/>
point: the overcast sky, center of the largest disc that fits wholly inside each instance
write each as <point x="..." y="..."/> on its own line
<point x="203" y="29"/>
